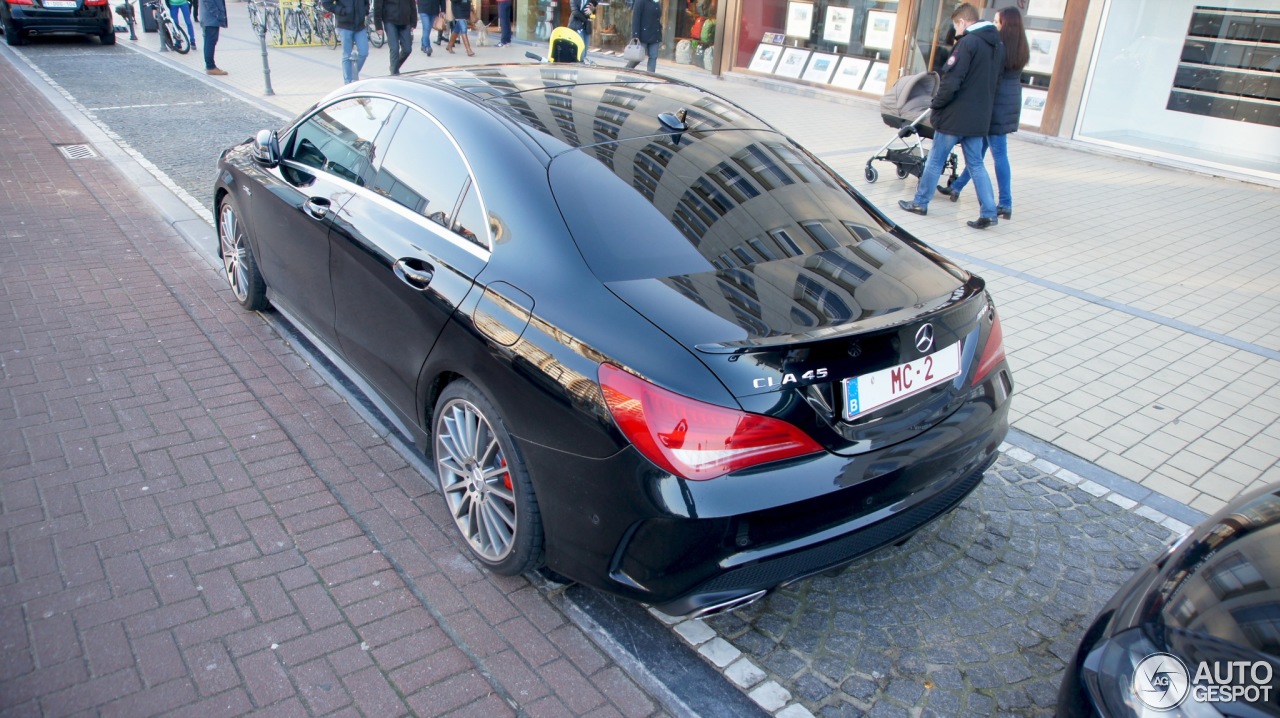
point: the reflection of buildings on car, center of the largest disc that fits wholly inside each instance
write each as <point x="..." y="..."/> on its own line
<point x="1183" y="80"/>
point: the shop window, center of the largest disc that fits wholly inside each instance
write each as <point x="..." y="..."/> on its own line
<point x="841" y="43"/>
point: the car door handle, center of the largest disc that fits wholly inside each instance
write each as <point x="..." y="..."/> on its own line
<point x="417" y="277"/>
<point x="317" y="207"/>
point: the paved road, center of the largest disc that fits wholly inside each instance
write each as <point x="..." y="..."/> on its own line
<point x="974" y="616"/>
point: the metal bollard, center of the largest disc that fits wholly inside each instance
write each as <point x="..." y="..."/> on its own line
<point x="266" y="68"/>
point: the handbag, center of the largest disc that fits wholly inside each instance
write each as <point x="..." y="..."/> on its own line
<point x="634" y="51"/>
<point x="440" y="24"/>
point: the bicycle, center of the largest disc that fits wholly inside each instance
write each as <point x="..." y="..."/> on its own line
<point x="326" y="30"/>
<point x="377" y="37"/>
<point x="172" y="36"/>
<point x="297" y="25"/>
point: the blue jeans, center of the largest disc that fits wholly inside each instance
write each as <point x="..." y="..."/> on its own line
<point x="651" y="50"/>
<point x="504" y="22"/>
<point x="425" y="20"/>
<point x="586" y="42"/>
<point x="351" y="69"/>
<point x="999" y="145"/>
<point x="943" y="143"/>
<point x="210" y="42"/>
<point x="184" y="11"/>
<point x="399" y="44"/>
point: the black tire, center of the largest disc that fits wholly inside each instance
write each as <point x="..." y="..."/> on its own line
<point x="472" y="447"/>
<point x="238" y="264"/>
<point x="178" y="37"/>
<point x="871" y="174"/>
<point x="108" y="37"/>
<point x="903" y="172"/>
<point x="12" y="35"/>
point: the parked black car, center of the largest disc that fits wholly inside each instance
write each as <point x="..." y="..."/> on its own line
<point x="648" y="340"/>
<point x="1195" y="633"/>
<point x="19" y="18"/>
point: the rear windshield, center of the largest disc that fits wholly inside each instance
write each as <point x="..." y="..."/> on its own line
<point x="668" y="205"/>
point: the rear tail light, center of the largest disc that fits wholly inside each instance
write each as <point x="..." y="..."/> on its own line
<point x="19" y="2"/>
<point x="693" y="439"/>
<point x="992" y="352"/>
<point x="95" y="2"/>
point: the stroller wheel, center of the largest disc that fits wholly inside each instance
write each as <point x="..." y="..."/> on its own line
<point x="871" y="174"/>
<point x="903" y="172"/>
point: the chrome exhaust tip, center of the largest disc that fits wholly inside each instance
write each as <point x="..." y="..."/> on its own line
<point x="734" y="604"/>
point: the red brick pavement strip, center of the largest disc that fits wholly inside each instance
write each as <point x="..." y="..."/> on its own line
<point x="192" y="521"/>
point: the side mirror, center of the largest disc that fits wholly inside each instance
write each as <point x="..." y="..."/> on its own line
<point x="266" y="148"/>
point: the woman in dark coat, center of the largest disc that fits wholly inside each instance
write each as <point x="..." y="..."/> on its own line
<point x="646" y="26"/>
<point x="1006" y="112"/>
<point x="428" y="10"/>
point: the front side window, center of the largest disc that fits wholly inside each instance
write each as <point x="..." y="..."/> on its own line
<point x="340" y="139"/>
<point x="421" y="170"/>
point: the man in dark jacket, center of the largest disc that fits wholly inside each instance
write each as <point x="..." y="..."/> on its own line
<point x="212" y="15"/>
<point x="646" y="26"/>
<point x="349" y="16"/>
<point x="962" y="111"/>
<point x="397" y="18"/>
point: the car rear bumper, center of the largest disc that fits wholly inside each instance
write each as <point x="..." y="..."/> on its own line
<point x="92" y="19"/>
<point x="684" y="546"/>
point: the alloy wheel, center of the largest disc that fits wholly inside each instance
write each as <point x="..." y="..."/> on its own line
<point x="233" y="252"/>
<point x="475" y="480"/>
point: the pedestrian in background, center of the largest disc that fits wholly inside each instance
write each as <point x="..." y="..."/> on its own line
<point x="962" y="111"/>
<point x="1006" y="113"/>
<point x="349" y="16"/>
<point x="213" y="17"/>
<point x="504" y="22"/>
<point x="182" y="8"/>
<point x="646" y="26"/>
<point x="397" y="18"/>
<point x="428" y="11"/>
<point x="461" y="17"/>
<point x="580" y="21"/>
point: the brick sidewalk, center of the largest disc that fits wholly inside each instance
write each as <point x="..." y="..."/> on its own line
<point x="191" y="520"/>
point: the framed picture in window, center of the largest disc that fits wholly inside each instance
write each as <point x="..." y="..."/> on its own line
<point x="1033" y="106"/>
<point x="1044" y="51"/>
<point x="877" y="78"/>
<point x="820" y="68"/>
<point x="839" y="26"/>
<point x="792" y="63"/>
<point x="1053" y="9"/>
<point x="850" y="72"/>
<point x="766" y="58"/>
<point x="799" y="19"/>
<point x="879" y="34"/>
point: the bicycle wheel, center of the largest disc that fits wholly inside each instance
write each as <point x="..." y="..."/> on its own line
<point x="275" y="33"/>
<point x="293" y="27"/>
<point x="328" y="31"/>
<point x="255" y="17"/>
<point x="377" y="37"/>
<point x="178" y="37"/>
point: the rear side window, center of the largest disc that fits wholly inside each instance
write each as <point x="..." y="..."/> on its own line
<point x="421" y="170"/>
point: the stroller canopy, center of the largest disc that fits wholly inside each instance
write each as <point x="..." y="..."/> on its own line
<point x="910" y="96"/>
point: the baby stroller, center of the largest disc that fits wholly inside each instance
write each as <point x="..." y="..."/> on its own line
<point x="565" y="46"/>
<point x="905" y="107"/>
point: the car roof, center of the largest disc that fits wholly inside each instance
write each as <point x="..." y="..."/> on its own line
<point x="565" y="107"/>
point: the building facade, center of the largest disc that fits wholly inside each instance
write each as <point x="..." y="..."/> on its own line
<point x="1194" y="82"/>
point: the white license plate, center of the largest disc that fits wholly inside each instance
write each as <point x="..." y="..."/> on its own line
<point x="70" y="4"/>
<point x="871" y="391"/>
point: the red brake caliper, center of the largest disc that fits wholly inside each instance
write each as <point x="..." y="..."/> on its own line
<point x="506" y="478"/>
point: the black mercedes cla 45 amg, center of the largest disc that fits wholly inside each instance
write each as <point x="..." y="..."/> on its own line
<point x="649" y="342"/>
